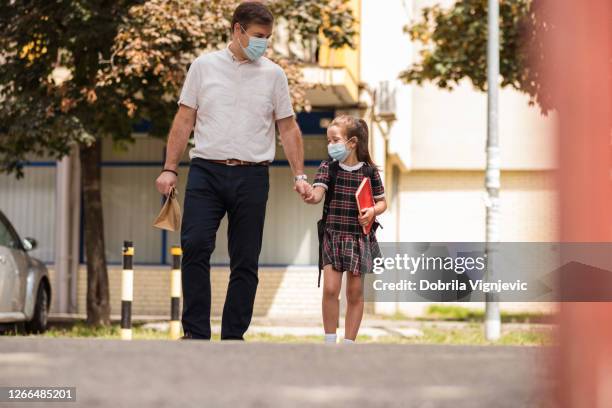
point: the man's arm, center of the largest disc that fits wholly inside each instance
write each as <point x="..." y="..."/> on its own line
<point x="291" y="140"/>
<point x="182" y="126"/>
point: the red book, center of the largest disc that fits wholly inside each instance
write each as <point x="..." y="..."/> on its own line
<point x="365" y="199"/>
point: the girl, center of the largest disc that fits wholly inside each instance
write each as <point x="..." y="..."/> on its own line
<point x="345" y="246"/>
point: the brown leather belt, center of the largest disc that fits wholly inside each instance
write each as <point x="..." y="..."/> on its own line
<point x="237" y="162"/>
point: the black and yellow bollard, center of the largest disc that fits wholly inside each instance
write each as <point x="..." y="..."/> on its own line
<point x="127" y="290"/>
<point x="175" y="292"/>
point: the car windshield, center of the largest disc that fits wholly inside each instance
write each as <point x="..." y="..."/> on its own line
<point x="8" y="237"/>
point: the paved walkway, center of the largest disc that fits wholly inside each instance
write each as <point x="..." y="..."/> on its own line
<point x="152" y="373"/>
<point x="371" y="326"/>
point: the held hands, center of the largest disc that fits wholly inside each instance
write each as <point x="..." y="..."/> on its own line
<point x="366" y="216"/>
<point x="307" y="191"/>
<point x="311" y="198"/>
<point x="315" y="196"/>
<point x="302" y="188"/>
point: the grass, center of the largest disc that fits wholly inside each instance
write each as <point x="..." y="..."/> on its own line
<point x="473" y="334"/>
<point x="432" y="335"/>
<point x="470" y="334"/>
<point x="80" y="329"/>
<point x="464" y="314"/>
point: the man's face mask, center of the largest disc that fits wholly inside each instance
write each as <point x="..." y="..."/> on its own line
<point x="256" y="48"/>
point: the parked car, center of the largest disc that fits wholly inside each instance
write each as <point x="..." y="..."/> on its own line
<point x="25" y="289"/>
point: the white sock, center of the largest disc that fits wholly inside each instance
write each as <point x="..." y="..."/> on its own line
<point x="349" y="341"/>
<point x="330" y="338"/>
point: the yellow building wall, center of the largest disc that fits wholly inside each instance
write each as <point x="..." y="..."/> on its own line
<point x="346" y="57"/>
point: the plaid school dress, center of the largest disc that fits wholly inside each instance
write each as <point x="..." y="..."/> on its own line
<point x="345" y="246"/>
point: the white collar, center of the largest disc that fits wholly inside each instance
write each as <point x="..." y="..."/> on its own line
<point x="351" y="168"/>
<point x="233" y="56"/>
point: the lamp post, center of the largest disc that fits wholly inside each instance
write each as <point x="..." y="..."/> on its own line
<point x="492" y="176"/>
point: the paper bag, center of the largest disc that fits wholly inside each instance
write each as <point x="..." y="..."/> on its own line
<point x="169" y="217"/>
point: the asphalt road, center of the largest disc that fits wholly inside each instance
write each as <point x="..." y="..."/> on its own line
<point x="151" y="373"/>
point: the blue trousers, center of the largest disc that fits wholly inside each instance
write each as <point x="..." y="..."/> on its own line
<point x="214" y="189"/>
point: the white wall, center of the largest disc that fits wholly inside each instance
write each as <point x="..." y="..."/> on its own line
<point x="448" y="206"/>
<point x="449" y="130"/>
<point x="385" y="52"/>
<point x="29" y="204"/>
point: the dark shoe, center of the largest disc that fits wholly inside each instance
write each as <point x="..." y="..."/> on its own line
<point x="189" y="336"/>
<point x="234" y="338"/>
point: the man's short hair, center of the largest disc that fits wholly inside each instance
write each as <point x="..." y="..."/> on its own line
<point x="252" y="12"/>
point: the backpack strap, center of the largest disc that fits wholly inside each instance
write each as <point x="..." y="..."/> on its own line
<point x="333" y="167"/>
<point x="333" y="172"/>
<point x="368" y="171"/>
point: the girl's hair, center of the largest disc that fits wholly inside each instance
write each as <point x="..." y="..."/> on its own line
<point x="355" y="127"/>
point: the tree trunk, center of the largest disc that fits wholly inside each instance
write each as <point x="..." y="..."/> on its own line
<point x="98" y="304"/>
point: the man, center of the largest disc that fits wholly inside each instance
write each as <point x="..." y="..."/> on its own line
<point x="234" y="97"/>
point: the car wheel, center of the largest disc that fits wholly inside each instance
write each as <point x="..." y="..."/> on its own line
<point x="38" y="324"/>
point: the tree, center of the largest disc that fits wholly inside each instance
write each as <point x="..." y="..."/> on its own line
<point x="75" y="72"/>
<point x="51" y="55"/>
<point x="454" y="44"/>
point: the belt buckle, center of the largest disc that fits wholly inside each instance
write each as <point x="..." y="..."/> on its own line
<point x="229" y="163"/>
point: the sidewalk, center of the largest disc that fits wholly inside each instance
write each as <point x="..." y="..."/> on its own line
<point x="371" y="326"/>
<point x="118" y="373"/>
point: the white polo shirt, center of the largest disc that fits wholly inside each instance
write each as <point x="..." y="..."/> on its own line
<point x="237" y="105"/>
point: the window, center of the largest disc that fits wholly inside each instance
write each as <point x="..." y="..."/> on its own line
<point x="7" y="239"/>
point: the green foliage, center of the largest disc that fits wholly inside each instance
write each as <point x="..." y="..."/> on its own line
<point x="45" y="108"/>
<point x="454" y="47"/>
<point x="308" y="18"/>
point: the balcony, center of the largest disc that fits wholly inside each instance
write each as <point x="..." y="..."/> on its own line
<point x="332" y="86"/>
<point x="333" y="73"/>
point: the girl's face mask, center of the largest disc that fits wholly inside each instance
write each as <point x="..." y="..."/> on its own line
<point x="256" y="48"/>
<point x="338" y="151"/>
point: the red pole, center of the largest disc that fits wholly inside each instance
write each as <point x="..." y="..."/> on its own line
<point x="581" y="73"/>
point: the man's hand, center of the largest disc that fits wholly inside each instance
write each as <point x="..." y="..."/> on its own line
<point x="302" y="188"/>
<point x="366" y="216"/>
<point x="165" y="182"/>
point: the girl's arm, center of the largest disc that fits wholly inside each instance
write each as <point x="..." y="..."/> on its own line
<point x="316" y="195"/>
<point x="380" y="206"/>
<point x="367" y="214"/>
